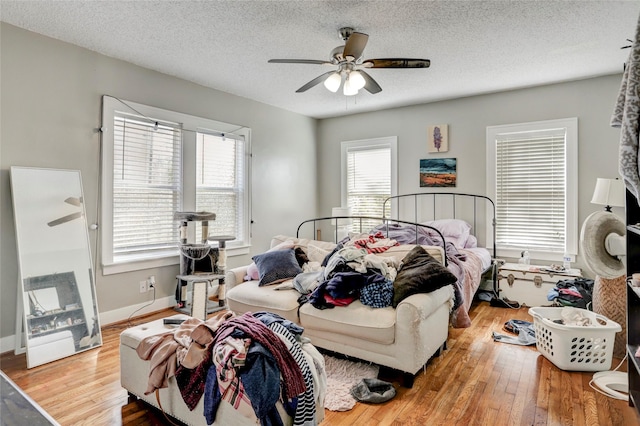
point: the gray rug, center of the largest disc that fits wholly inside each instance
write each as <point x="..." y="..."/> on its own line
<point x="342" y="374"/>
<point x="17" y="409"/>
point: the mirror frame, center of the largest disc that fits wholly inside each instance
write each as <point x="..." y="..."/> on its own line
<point x="57" y="312"/>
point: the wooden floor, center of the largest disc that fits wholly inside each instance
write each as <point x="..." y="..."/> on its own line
<point x="476" y="381"/>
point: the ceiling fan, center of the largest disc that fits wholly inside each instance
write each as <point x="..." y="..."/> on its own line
<point x="74" y="201"/>
<point x="351" y="66"/>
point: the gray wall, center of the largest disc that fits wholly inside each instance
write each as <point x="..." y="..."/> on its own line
<point x="590" y="100"/>
<point x="51" y="97"/>
<point x="50" y="108"/>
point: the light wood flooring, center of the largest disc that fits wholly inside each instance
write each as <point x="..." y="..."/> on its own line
<point x="476" y="381"/>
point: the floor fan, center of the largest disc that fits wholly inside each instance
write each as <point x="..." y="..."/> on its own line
<point x="603" y="245"/>
<point x="602" y="240"/>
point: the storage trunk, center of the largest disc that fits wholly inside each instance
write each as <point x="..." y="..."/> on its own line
<point x="529" y="284"/>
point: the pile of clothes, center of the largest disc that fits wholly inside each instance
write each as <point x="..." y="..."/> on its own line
<point x="252" y="361"/>
<point x="522" y="333"/>
<point x="576" y="292"/>
<point x="351" y="271"/>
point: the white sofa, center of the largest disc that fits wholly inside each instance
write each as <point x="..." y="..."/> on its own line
<point x="404" y="338"/>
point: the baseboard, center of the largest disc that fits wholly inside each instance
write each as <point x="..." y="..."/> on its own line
<point x="7" y="343"/>
<point x="121" y="314"/>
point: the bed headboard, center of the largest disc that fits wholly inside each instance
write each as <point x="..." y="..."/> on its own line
<point x="415" y="209"/>
<point x="477" y="210"/>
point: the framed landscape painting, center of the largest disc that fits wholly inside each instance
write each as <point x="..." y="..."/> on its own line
<point x="438" y="172"/>
<point x="438" y="138"/>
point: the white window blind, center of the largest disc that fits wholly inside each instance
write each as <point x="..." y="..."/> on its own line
<point x="369" y="177"/>
<point x="531" y="190"/>
<point x="149" y="172"/>
<point x="220" y="183"/>
<point x="146" y="186"/>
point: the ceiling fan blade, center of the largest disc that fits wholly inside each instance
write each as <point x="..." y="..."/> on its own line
<point x="355" y="45"/>
<point x="370" y="84"/>
<point x="315" y="81"/>
<point x="74" y="201"/>
<point x="299" y="61"/>
<point x="396" y="63"/>
<point x="65" y="219"/>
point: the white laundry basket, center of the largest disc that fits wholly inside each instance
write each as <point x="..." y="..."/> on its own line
<point x="575" y="348"/>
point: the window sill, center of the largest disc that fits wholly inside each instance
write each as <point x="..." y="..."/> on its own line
<point x="548" y="256"/>
<point x="158" y="262"/>
<point x="138" y="265"/>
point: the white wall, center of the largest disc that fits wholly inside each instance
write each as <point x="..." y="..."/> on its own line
<point x="50" y="104"/>
<point x="590" y="100"/>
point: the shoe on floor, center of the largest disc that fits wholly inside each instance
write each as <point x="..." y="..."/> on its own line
<point x="504" y="303"/>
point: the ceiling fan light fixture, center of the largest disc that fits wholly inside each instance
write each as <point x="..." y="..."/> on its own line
<point x="332" y="83"/>
<point x="357" y="80"/>
<point x="349" y="89"/>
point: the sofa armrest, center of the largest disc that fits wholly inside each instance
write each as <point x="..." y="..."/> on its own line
<point x="424" y="304"/>
<point x="235" y="276"/>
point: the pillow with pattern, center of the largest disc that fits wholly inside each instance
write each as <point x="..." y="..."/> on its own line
<point x="252" y="270"/>
<point x="276" y="266"/>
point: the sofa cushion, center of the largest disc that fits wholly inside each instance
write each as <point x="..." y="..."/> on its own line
<point x="355" y="320"/>
<point x="302" y="242"/>
<point x="251" y="297"/>
<point x="420" y="273"/>
<point x="277" y="266"/>
<point x="317" y="252"/>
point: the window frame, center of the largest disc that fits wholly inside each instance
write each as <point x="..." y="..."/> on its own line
<point x="390" y="142"/>
<point x="190" y="126"/>
<point x="570" y="125"/>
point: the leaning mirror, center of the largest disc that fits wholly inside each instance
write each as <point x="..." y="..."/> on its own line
<point x="56" y="293"/>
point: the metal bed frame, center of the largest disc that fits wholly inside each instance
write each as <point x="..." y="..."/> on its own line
<point x="454" y="196"/>
<point x="383" y="221"/>
<point x="431" y="206"/>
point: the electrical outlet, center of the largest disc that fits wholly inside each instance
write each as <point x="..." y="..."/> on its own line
<point x="143" y="286"/>
<point x="151" y="283"/>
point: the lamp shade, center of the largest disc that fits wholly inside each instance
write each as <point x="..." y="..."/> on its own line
<point x="609" y="192"/>
<point x="349" y="89"/>
<point x="357" y="80"/>
<point x="342" y="211"/>
<point x="333" y="82"/>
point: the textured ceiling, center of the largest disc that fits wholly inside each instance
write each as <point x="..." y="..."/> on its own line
<point x="475" y="47"/>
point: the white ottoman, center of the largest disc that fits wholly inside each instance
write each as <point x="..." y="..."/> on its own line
<point x="134" y="373"/>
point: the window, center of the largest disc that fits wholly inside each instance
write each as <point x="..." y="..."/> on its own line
<point x="220" y="186"/>
<point x="532" y="177"/>
<point x="369" y="175"/>
<point x="146" y="186"/>
<point x="156" y="162"/>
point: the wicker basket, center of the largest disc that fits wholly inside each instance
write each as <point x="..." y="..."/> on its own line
<point x="575" y="348"/>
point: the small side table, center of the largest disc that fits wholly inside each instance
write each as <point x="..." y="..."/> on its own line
<point x="199" y="305"/>
<point x="529" y="284"/>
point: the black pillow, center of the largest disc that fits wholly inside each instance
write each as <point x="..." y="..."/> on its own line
<point x="276" y="266"/>
<point x="420" y="273"/>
